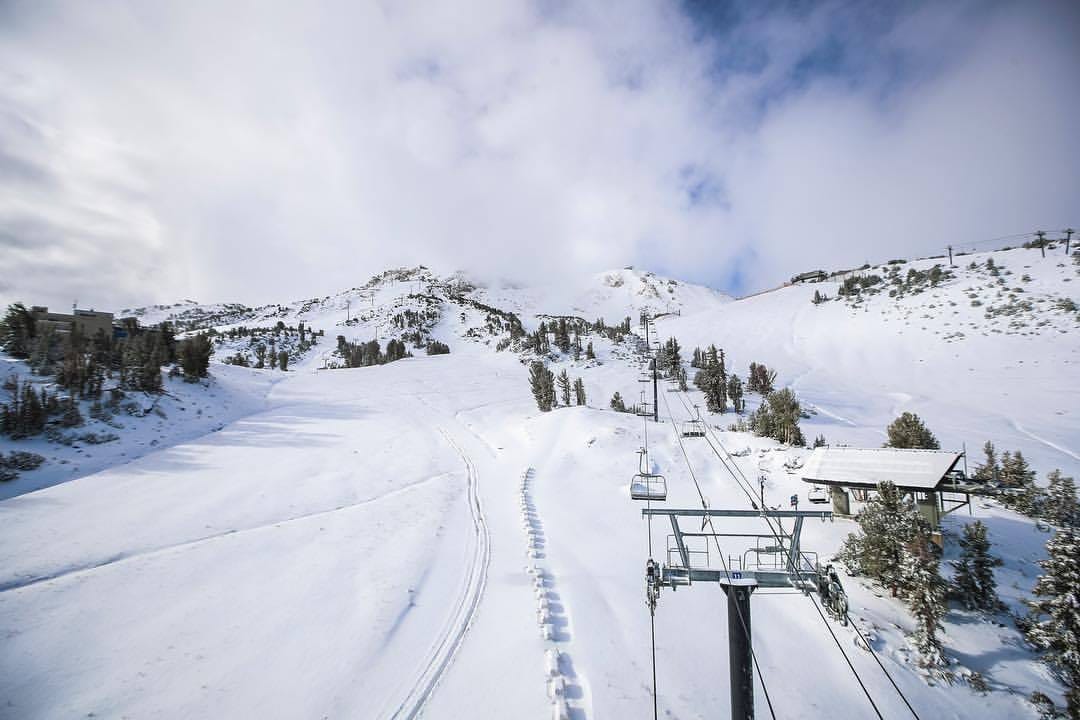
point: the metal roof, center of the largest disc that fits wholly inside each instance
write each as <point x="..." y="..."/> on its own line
<point x="866" y="467"/>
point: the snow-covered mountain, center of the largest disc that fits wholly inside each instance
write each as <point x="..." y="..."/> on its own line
<point x="380" y="541"/>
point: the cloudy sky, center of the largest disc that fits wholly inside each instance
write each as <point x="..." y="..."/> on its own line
<point x="263" y="151"/>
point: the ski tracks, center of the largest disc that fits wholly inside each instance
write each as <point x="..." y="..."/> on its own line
<point x="464" y="608"/>
<point x="565" y="687"/>
<point x="1044" y="441"/>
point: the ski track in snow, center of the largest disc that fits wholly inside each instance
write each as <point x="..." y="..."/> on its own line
<point x="450" y="639"/>
<point x="1044" y="441"/>
<point x="75" y="570"/>
<point x="565" y="687"/>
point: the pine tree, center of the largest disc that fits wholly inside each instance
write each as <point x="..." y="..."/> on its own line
<point x="975" y="570"/>
<point x="283" y="360"/>
<point x="564" y="387"/>
<point x="924" y="591"/>
<point x="989" y="470"/>
<point x="778" y="418"/>
<point x="1060" y="507"/>
<point x="908" y="431"/>
<point x="72" y="417"/>
<point x="735" y="392"/>
<point x="712" y="380"/>
<point x="1024" y="496"/>
<point x="562" y="336"/>
<point x="761" y="379"/>
<point x="17" y="330"/>
<point x="1054" y="623"/>
<point x="542" y="383"/>
<point x="589" y="354"/>
<point x="579" y="392"/>
<point x="194" y="355"/>
<point x="617" y="403"/>
<point x="888" y="522"/>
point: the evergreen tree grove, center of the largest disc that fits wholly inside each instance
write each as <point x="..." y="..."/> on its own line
<point x="194" y="356"/>
<point x="778" y="418"/>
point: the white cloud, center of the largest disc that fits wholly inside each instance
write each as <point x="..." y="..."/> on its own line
<point x="269" y="151"/>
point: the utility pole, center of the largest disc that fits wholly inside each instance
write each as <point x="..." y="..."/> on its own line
<point x="740" y="655"/>
<point x="950" y="257"/>
<point x="1068" y="238"/>
<point x="348" y="306"/>
<point x="1040" y="236"/>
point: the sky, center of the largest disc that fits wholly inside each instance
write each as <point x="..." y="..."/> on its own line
<point x="271" y="151"/>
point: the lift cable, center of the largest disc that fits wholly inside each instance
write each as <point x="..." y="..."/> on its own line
<point x="652" y="634"/>
<point x="797" y="572"/>
<point x="744" y="485"/>
<point x="720" y="552"/>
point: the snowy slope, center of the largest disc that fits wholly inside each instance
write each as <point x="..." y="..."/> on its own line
<point x="360" y="544"/>
<point x="860" y="365"/>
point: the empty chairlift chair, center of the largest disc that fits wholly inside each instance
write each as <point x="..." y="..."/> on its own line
<point x="648" y="486"/>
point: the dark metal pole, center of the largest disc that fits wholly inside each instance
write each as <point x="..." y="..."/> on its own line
<point x="740" y="657"/>
<point x="655" y="397"/>
<point x="950" y="257"/>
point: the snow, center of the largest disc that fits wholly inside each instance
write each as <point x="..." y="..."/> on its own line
<point x="416" y="538"/>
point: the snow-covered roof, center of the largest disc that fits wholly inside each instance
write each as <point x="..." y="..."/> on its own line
<point x="866" y="467"/>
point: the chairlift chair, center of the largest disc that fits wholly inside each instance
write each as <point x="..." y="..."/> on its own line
<point x="693" y="428"/>
<point x="818" y="495"/>
<point x="648" y="486"/>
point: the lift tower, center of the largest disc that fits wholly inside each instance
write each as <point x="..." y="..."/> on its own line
<point x="778" y="563"/>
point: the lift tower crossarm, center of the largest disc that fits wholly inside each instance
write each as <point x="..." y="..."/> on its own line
<point x="700" y="512"/>
<point x="737" y="581"/>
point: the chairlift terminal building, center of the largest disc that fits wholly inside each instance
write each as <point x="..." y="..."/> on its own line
<point x="851" y="474"/>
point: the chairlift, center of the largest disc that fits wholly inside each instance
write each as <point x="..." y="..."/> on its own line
<point x="818" y="495"/>
<point x="648" y="486"/>
<point x="694" y="427"/>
